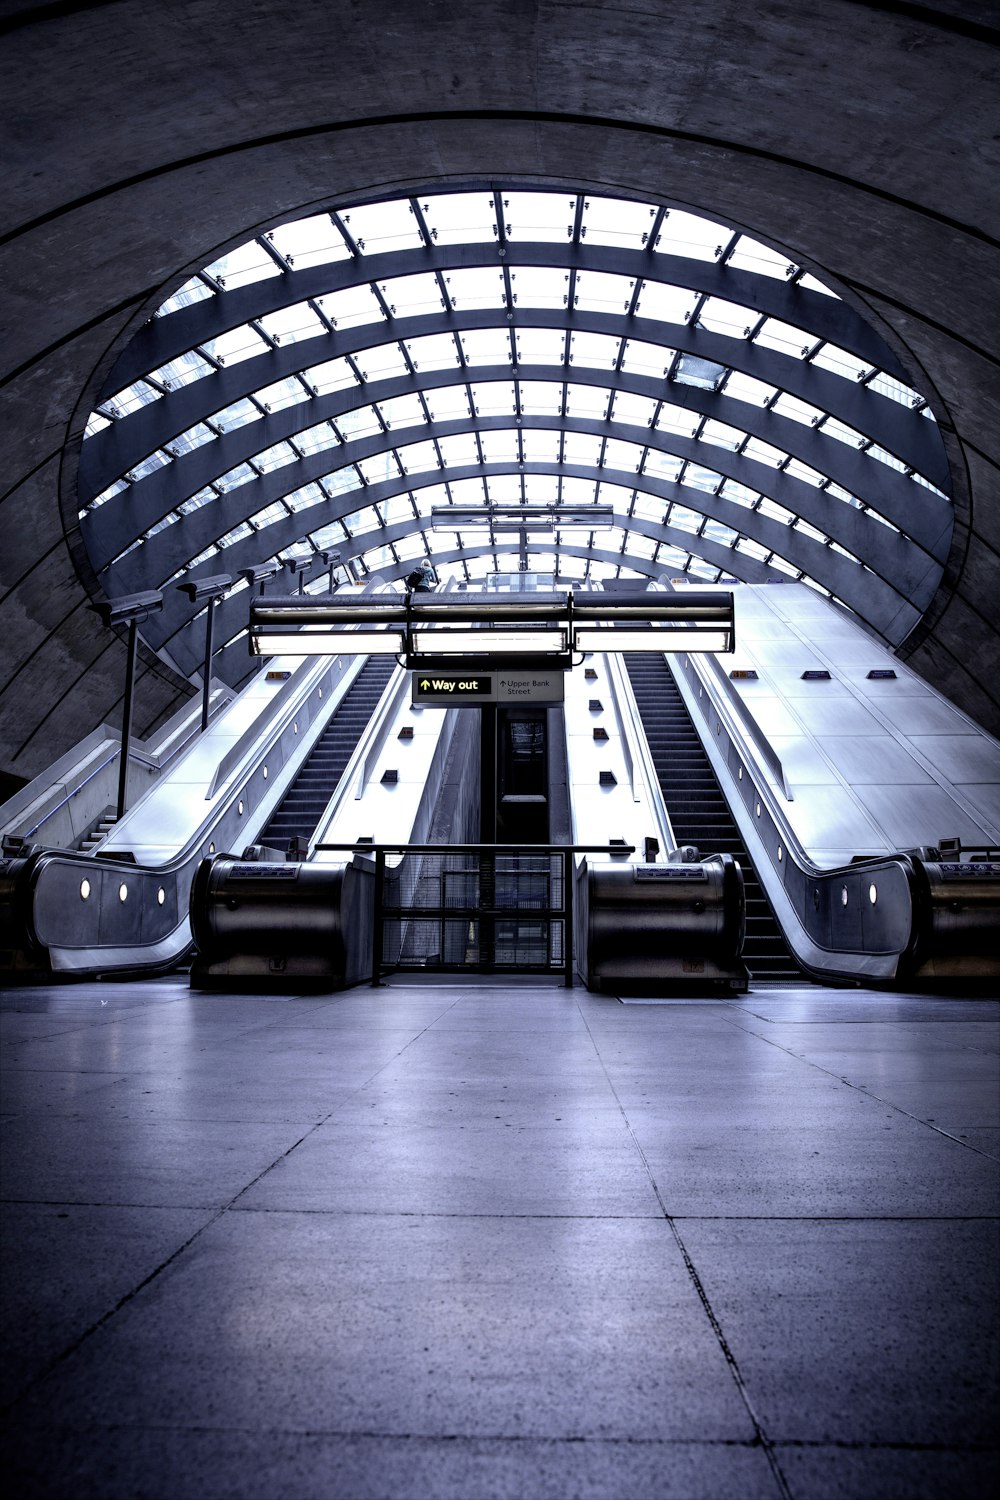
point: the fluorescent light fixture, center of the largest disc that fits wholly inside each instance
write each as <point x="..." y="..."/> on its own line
<point x="669" y="638"/>
<point x="527" y="642"/>
<point x="521" y="517"/>
<point x="328" y="643"/>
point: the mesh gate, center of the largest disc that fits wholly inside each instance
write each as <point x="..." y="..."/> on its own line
<point x="481" y="910"/>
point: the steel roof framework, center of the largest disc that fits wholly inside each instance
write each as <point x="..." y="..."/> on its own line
<point x="740" y="418"/>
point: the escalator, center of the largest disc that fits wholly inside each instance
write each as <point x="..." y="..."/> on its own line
<point x="297" y="815"/>
<point x="697" y="808"/>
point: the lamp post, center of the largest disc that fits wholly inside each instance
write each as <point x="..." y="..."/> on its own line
<point x="260" y="573"/>
<point x="298" y="567"/>
<point x="131" y="610"/>
<point x="331" y="559"/>
<point x="211" y="589"/>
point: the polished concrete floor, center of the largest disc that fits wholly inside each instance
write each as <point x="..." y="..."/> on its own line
<point x="487" y="1240"/>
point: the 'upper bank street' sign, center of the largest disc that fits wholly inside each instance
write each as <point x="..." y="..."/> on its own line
<point x="451" y="689"/>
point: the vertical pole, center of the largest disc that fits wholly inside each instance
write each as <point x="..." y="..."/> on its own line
<point x="568" y="873"/>
<point x="209" y="633"/>
<point x="123" y="759"/>
<point x="378" y="923"/>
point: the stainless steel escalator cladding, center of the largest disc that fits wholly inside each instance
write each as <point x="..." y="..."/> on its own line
<point x="272" y="925"/>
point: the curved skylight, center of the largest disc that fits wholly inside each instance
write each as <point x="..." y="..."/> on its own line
<point x="388" y="380"/>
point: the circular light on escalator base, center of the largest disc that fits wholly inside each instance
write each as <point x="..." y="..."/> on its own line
<point x="873" y="894"/>
<point x="757" y="809"/>
<point x="295" y="727"/>
<point x="239" y="807"/>
<point x="843" y="895"/>
<point x="781" y="854"/>
<point x="161" y="896"/>
<point x="123" y="892"/>
<point x="265" y="773"/>
<point x="84" y="890"/>
<point x="740" y="773"/>
<point x="211" y="848"/>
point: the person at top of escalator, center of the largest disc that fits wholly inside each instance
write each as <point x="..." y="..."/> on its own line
<point x="423" y="578"/>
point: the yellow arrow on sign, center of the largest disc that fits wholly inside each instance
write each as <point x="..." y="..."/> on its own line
<point x="426" y="683"/>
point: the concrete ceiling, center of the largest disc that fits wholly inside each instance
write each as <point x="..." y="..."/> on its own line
<point x="143" y="140"/>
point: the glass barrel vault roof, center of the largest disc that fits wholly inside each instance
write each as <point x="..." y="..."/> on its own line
<point x="331" y="383"/>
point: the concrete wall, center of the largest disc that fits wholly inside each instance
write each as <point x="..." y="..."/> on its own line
<point x="141" y="139"/>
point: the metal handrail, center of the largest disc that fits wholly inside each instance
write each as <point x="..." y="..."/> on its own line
<point x="762" y="744"/>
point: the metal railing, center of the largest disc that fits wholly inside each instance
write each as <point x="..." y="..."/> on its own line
<point x="485" y="907"/>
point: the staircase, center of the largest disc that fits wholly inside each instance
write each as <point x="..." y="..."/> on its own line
<point x="697" y="808"/>
<point x="305" y="801"/>
<point x="99" y="832"/>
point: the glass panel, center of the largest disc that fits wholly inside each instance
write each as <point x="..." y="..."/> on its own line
<point x="476" y="286"/>
<point x="486" y="346"/>
<point x="684" y="518"/>
<point x="289" y="325"/>
<point x="751" y="255"/>
<point x="192" y="291"/>
<point x="547" y="217"/>
<point x="247" y="263"/>
<point x="615" y="221"/>
<point x="727" y="318"/>
<point x="282" y="393"/>
<point x="721" y="436"/>
<point x="310" y="242"/>
<point x="810" y="284"/>
<point x="841" y="362"/>
<point x="460" y="218"/>
<point x="186" y="442"/>
<point x="275" y="458"/>
<point x="799" y="470"/>
<point x="668" y="304"/>
<point x="493" y="398"/>
<point x="599" y="291"/>
<point x="745" y="388"/>
<point x="764" y="453"/>
<point x="238" y="344"/>
<point x="411" y="296"/>
<point x="362" y="421"/>
<point x="701" y="479"/>
<point x="273" y="512"/>
<point x="576" y="491"/>
<point x="380" y="468"/>
<point x="590" y="401"/>
<point x="352" y="307"/>
<point x="182" y="370"/>
<point x="581" y="448"/>
<point x="237" y="415"/>
<point x="332" y="375"/>
<point x="148" y="466"/>
<point x="540" y="286"/>
<point x="637" y="411"/>
<point x="799" y="411"/>
<point x="677" y="419"/>
<point x="238" y="534"/>
<point x="303" y="498"/>
<point x="785" y="338"/>
<point x="418" y="458"/>
<point x="597" y="349"/>
<point x="662" y="465"/>
<point x="641" y="358"/>
<point x="622" y="455"/>
<point x="500" y="447"/>
<point x="540" y="346"/>
<point x="381" y="362"/>
<point x="541" y="447"/>
<point x="691" y="235"/>
<point x="377" y="228"/>
<point x="541" y="397"/>
<point x="408" y="411"/>
<point x="316" y="439"/>
<point x="340" y="481"/>
<point x="774" y="511"/>
<point x="459" y="451"/>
